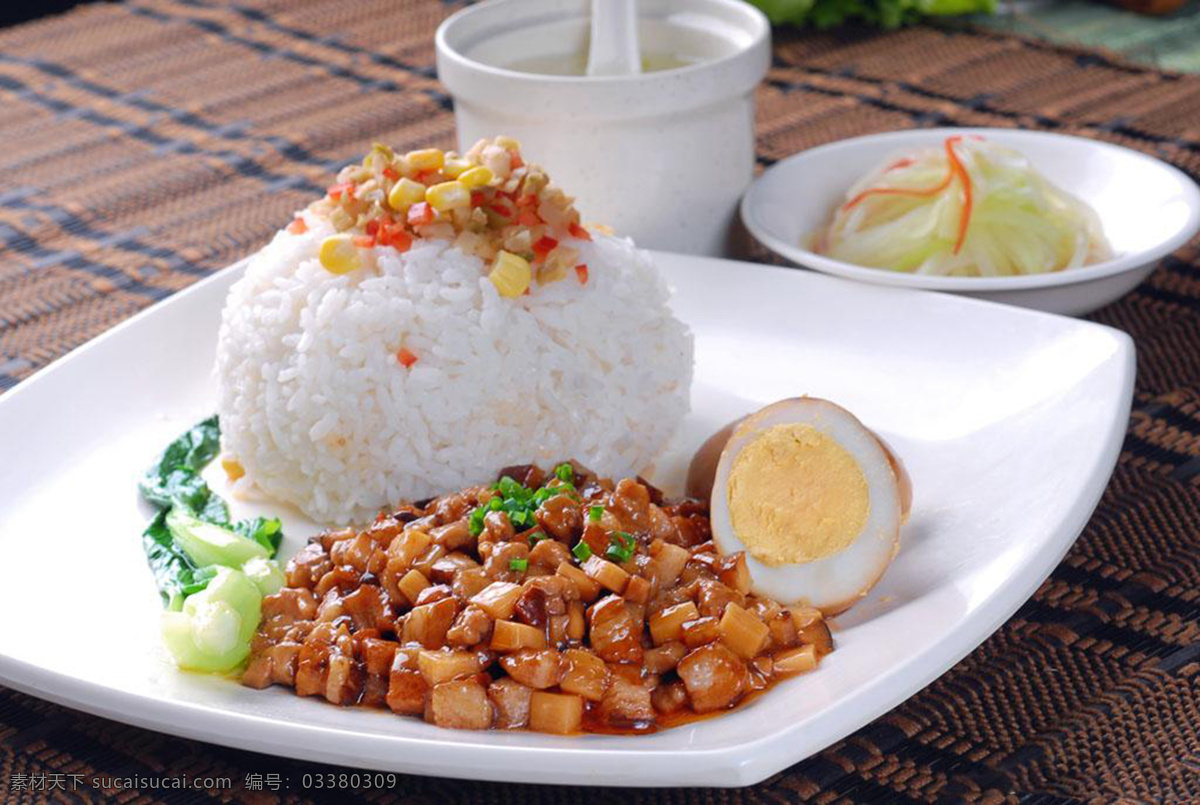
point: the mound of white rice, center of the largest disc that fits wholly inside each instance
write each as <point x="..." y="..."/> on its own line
<point x="319" y="411"/>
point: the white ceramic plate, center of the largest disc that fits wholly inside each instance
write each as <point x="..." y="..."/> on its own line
<point x="1010" y="423"/>
<point x="1148" y="209"/>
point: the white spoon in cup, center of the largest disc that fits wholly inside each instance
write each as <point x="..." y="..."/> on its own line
<point x="614" y="48"/>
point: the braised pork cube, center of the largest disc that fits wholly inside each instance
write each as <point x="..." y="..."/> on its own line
<point x="366" y="606"/>
<point x="669" y="698"/>
<point x="536" y="668"/>
<point x="626" y="704"/>
<point x="631" y="504"/>
<point x="715" y="677"/>
<point x="428" y="624"/>
<point x="812" y="629"/>
<point x="511" y="701"/>
<point x="460" y="704"/>
<point x="306" y="568"/>
<point x="258" y="672"/>
<point x="445" y="569"/>
<point x="471" y="627"/>
<point x="378" y="656"/>
<point x="660" y="659"/>
<point x="291" y="604"/>
<point x="549" y="553"/>
<point x="455" y="536"/>
<point x="354" y="552"/>
<point x="584" y="674"/>
<point x="406" y="686"/>
<point x="559" y="517"/>
<point x="615" y="635"/>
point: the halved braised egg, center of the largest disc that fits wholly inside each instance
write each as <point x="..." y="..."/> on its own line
<point x="812" y="496"/>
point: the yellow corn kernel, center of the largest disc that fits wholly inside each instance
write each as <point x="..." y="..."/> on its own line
<point x="454" y="166"/>
<point x="339" y="255"/>
<point x="448" y="196"/>
<point x="233" y="468"/>
<point x="507" y="143"/>
<point x="510" y="274"/>
<point x="476" y="177"/>
<point x="405" y="193"/>
<point x="427" y="159"/>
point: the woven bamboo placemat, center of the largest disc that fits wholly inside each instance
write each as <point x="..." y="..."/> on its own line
<point x="145" y="145"/>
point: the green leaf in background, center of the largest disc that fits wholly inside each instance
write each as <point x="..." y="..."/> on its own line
<point x="881" y="13"/>
<point x="781" y="11"/>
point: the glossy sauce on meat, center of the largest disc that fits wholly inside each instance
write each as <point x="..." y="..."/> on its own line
<point x="557" y="602"/>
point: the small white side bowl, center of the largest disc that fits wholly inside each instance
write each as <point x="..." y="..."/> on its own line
<point x="1148" y="209"/>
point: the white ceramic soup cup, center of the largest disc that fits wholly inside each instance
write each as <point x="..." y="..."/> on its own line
<point x="662" y="156"/>
<point x="1147" y="208"/>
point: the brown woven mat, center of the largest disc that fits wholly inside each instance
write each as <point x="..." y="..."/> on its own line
<point x="145" y="145"/>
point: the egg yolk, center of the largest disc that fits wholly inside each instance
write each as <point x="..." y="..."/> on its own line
<point x="796" y="495"/>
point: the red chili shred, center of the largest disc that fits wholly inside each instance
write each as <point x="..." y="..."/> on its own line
<point x="957" y="171"/>
<point x="544" y="246"/>
<point x="581" y="271"/>
<point x="901" y="163"/>
<point x="406" y="358"/>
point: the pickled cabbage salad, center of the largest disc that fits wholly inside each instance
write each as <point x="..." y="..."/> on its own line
<point x="970" y="208"/>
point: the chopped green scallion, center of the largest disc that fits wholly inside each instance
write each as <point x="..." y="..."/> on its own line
<point x="518" y="564"/>
<point x="622" y="548"/>
<point x="475" y="522"/>
<point x="565" y="472"/>
<point x="615" y="554"/>
<point x="595" y="513"/>
<point x="582" y="551"/>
